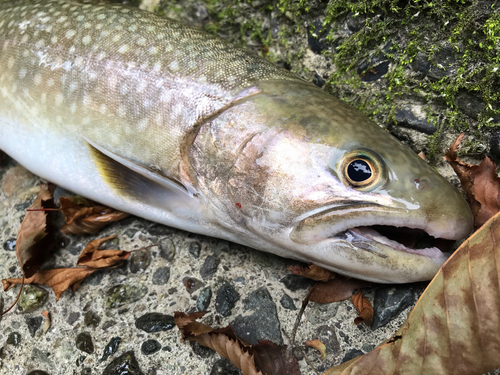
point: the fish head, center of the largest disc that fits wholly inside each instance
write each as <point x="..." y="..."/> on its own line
<point x="308" y="177"/>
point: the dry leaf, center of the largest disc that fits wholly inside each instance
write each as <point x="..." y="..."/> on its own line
<point x="319" y="346"/>
<point x="34" y="239"/>
<point x="91" y="256"/>
<point x="313" y="272"/>
<point x="336" y="290"/>
<point x="453" y="328"/>
<point x="84" y="217"/>
<point x="59" y="279"/>
<point x="480" y="182"/>
<point x="364" y="308"/>
<point x="265" y="358"/>
<point x="46" y="323"/>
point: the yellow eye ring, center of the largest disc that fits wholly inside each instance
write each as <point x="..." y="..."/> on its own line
<point x="362" y="171"/>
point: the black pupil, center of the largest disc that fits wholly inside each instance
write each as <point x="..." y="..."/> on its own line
<point x="359" y="171"/>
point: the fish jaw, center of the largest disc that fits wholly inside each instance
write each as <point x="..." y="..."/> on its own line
<point x="281" y="186"/>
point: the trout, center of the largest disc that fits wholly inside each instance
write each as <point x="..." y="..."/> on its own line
<point x="175" y="125"/>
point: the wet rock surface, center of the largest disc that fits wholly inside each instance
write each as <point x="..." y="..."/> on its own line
<point x="121" y="295"/>
<point x="155" y="322"/>
<point x="84" y="342"/>
<point x="110" y="348"/>
<point x="392" y="300"/>
<point x="33" y="324"/>
<point x="224" y="367"/>
<point x="150" y="347"/>
<point x="32" y="298"/>
<point x="226" y="298"/>
<point x="126" y="364"/>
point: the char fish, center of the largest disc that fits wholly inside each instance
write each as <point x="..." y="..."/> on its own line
<point x="172" y="124"/>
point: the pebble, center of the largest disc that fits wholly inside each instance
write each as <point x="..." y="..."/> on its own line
<point x="296" y="282"/>
<point x="443" y="63"/>
<point x="84" y="342"/>
<point x="91" y="319"/>
<point x="287" y="302"/>
<point x="226" y="298"/>
<point x="73" y="317"/>
<point x="192" y="284"/>
<point x="194" y="249"/>
<point x="374" y="68"/>
<point x="407" y="119"/>
<point x="110" y="348"/>
<point x="32" y="298"/>
<point x="203" y="300"/>
<point x="326" y="334"/>
<point x="224" y="367"/>
<point x="389" y="301"/>
<point x="33" y="324"/>
<point x="351" y="353"/>
<point x="150" y="347"/>
<point x="139" y="261"/>
<point x="10" y="244"/>
<point x="14" y="338"/>
<point x="262" y="323"/>
<point x="421" y="63"/>
<point x="316" y="37"/>
<point x="209" y="267"/>
<point x="37" y="372"/>
<point x="167" y="249"/>
<point x="155" y="322"/>
<point x="161" y="276"/>
<point x="202" y="351"/>
<point x="126" y="364"/>
<point x="470" y="104"/>
<point x="120" y="295"/>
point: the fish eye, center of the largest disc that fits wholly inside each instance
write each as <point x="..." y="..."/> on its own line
<point x="361" y="170"/>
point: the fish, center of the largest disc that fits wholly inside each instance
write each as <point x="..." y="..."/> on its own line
<point x="175" y="125"/>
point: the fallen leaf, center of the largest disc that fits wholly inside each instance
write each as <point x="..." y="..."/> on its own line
<point x="58" y="279"/>
<point x="85" y="217"/>
<point x="35" y="237"/>
<point x="480" y="182"/>
<point x="453" y="328"/>
<point x="313" y="272"/>
<point x="336" y="290"/>
<point x="319" y="346"/>
<point x="265" y="358"/>
<point x="364" y="308"/>
<point x="421" y="155"/>
<point x="91" y="256"/>
<point x="46" y="323"/>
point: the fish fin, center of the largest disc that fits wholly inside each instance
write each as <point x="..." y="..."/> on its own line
<point x="130" y="179"/>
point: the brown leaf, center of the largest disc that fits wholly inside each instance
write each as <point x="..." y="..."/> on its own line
<point x="480" y="182"/>
<point x="46" y="323"/>
<point x="364" y="308"/>
<point x="84" y="217"/>
<point x="59" y="279"/>
<point x="264" y="358"/>
<point x="91" y="256"/>
<point x="313" y="272"/>
<point x="34" y="239"/>
<point x="336" y="290"/>
<point x="319" y="346"/>
<point x="453" y="328"/>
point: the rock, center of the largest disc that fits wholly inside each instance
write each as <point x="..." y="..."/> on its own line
<point x="17" y="180"/>
<point x="495" y="146"/>
<point x="406" y="119"/>
<point x="91" y="319"/>
<point x="37" y="372"/>
<point x="14" y="338"/>
<point x="120" y="295"/>
<point x="167" y="249"/>
<point x="10" y="244"/>
<point x="421" y="63"/>
<point x="194" y="249"/>
<point x="200" y="350"/>
<point x="443" y="64"/>
<point x="287" y="302"/>
<point x="155" y="322"/>
<point x="33" y="324"/>
<point x="316" y="37"/>
<point x="73" y="317"/>
<point x="192" y="284"/>
<point x="203" y="300"/>
<point x="161" y="276"/>
<point x="326" y="334"/>
<point x="262" y="323"/>
<point x="139" y="261"/>
<point x="470" y="104"/>
<point x="226" y="298"/>
<point x="209" y="267"/>
<point x="224" y="367"/>
<point x="296" y="282"/>
<point x="318" y="80"/>
<point x="374" y="68"/>
<point x="150" y="347"/>
<point x="352" y="353"/>
<point x="126" y="364"/>
<point x="86" y="371"/>
<point x="84" y="342"/>
<point x="32" y="298"/>
<point x="110" y="348"/>
<point x="389" y="301"/>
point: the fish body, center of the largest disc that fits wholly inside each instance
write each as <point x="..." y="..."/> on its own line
<point x="172" y="124"/>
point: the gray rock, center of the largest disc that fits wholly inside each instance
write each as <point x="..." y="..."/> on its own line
<point x="161" y="276"/>
<point x="126" y="364"/>
<point x="352" y="353"/>
<point x="167" y="249"/>
<point x="91" y="319"/>
<point x="200" y="350"/>
<point x="73" y="317"/>
<point x="10" y="244"/>
<point x="295" y="282"/>
<point x="407" y="119"/>
<point x="32" y="298"/>
<point x="226" y="298"/>
<point x="150" y="347"/>
<point x="421" y="63"/>
<point x="470" y="104"/>
<point x="194" y="249"/>
<point x="33" y="324"/>
<point x="84" y="342"/>
<point x="110" y="348"/>
<point x="203" y="300"/>
<point x="120" y="295"/>
<point x="443" y="63"/>
<point x="14" y="338"/>
<point x="37" y="372"/>
<point x="262" y="323"/>
<point x="224" y="367"/>
<point x="287" y="302"/>
<point x="209" y="267"/>
<point x="139" y="261"/>
<point x="389" y="301"/>
<point x="155" y="322"/>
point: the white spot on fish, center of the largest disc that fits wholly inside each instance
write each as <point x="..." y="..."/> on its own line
<point x="101" y="16"/>
<point x="22" y="73"/>
<point x="24" y="39"/>
<point x="153" y="50"/>
<point x="141" y="42"/>
<point x="10" y="62"/>
<point x="102" y="108"/>
<point x="37" y="79"/>
<point x="59" y="99"/>
<point x="53" y="40"/>
<point x="122" y="110"/>
<point x="43" y="98"/>
<point x="124" y="49"/>
<point x="62" y="19"/>
<point x="50" y="82"/>
<point x="142" y="125"/>
<point x="70" y="33"/>
<point x="66" y="65"/>
<point x="85" y="121"/>
<point x="157" y="67"/>
<point x="101" y="56"/>
<point x="117" y="37"/>
<point x="78" y="61"/>
<point x="132" y="28"/>
<point x="174" y="66"/>
<point x="72" y="108"/>
<point x="86" y="39"/>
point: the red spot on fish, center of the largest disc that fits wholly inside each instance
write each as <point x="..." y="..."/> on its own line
<point x="238" y="205"/>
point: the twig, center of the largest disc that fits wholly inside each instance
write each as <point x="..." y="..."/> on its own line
<point x="17" y="298"/>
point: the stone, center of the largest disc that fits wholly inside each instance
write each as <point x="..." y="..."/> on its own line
<point x="200" y="350"/>
<point x="110" y="348"/>
<point x="37" y="372"/>
<point x="192" y="284"/>
<point x="262" y="323"/>
<point x="407" y="119"/>
<point x="443" y="63"/>
<point x="389" y="301"/>
<point x="10" y="244"/>
<point x="84" y="342"/>
<point x="32" y="298"/>
<point x="73" y="317"/>
<point x="209" y="267"/>
<point x="224" y="367"/>
<point x="139" y="261"/>
<point x="350" y="354"/>
<point x="287" y="302"/>
<point x="296" y="282"/>
<point x="91" y="319"/>
<point x="33" y="324"/>
<point x="316" y="37"/>
<point x="155" y="322"/>
<point x="126" y="364"/>
<point x="421" y="63"/>
<point x="373" y="68"/>
<point x="167" y="249"/>
<point x="225" y="299"/>
<point x="203" y="300"/>
<point x="14" y="338"/>
<point x="470" y="104"/>
<point x="326" y="334"/>
<point x="120" y="295"/>
<point x="150" y="347"/>
<point x="161" y="276"/>
<point x="194" y="249"/>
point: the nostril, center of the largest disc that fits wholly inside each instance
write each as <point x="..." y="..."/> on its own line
<point x="421" y="183"/>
